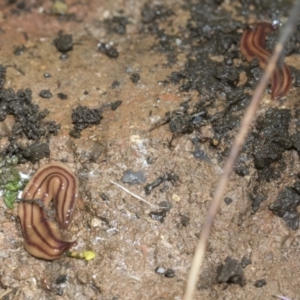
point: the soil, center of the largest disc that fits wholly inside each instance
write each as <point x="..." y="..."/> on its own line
<point x="150" y="95"/>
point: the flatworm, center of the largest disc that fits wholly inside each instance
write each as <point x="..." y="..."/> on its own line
<point x="42" y="238"/>
<point x="253" y="45"/>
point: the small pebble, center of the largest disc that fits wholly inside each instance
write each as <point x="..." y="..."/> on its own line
<point x="132" y="177"/>
<point x="104" y="197"/>
<point x="149" y="160"/>
<point x="61" y="279"/>
<point x="45" y="94"/>
<point x="170" y="273"/>
<point x="227" y="200"/>
<point x="62" y="96"/>
<point x="95" y="222"/>
<point x="158" y="215"/>
<point x="112" y="52"/>
<point x="115" y="105"/>
<point x="176" y="198"/>
<point x="160" y="270"/>
<point x="64" y="56"/>
<point x="166" y="205"/>
<point x="185" y="221"/>
<point x="135" y="77"/>
<point x="245" y="261"/>
<point x="64" y="42"/>
<point x="260" y="283"/>
<point x="115" y="84"/>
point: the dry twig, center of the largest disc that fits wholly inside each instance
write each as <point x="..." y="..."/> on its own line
<point x="134" y="195"/>
<point x="238" y="142"/>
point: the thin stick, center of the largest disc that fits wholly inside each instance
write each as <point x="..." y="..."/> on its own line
<point x="238" y="142"/>
<point x="134" y="195"/>
<point x="6" y="293"/>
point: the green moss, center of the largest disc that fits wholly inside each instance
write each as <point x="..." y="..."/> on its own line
<point x="10" y="181"/>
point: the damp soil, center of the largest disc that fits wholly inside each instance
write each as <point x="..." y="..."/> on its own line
<point x="150" y="96"/>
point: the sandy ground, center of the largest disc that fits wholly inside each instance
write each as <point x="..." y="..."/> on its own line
<point x="128" y="243"/>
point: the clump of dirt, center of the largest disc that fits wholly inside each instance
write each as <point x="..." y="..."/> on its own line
<point x="271" y="140"/>
<point x="168" y="177"/>
<point x="29" y="123"/>
<point x="83" y="117"/>
<point x="286" y="204"/>
<point x="116" y="24"/>
<point x="231" y="272"/>
<point x="64" y="42"/>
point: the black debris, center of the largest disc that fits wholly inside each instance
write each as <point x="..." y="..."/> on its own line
<point x="228" y="74"/>
<point x="149" y="160"/>
<point x="185" y="120"/>
<point x="273" y="131"/>
<point x="149" y="187"/>
<point x="115" y="84"/>
<point x="133" y="177"/>
<point x="112" y="52"/>
<point x="150" y="14"/>
<point x="158" y="215"/>
<point x="47" y="75"/>
<point x="83" y="117"/>
<point x="61" y="279"/>
<point x="115" y="105"/>
<point x="62" y="96"/>
<point x="117" y="24"/>
<point x="2" y="76"/>
<point x="170" y="273"/>
<point x="45" y="94"/>
<point x="231" y="272"/>
<point x="104" y="197"/>
<point x="109" y="50"/>
<point x="184" y="220"/>
<point x="64" y="42"/>
<point x="246" y="261"/>
<point x="260" y="283"/>
<point x="198" y="153"/>
<point x="28" y="117"/>
<point x="257" y="199"/>
<point x="166" y="205"/>
<point x="135" y="77"/>
<point x="257" y="196"/>
<point x="19" y="50"/>
<point x="227" y="200"/>
<point x="286" y="204"/>
<point x="157" y="182"/>
<point x="35" y="152"/>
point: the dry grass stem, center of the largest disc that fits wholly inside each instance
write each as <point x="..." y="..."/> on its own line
<point x="134" y="195"/>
